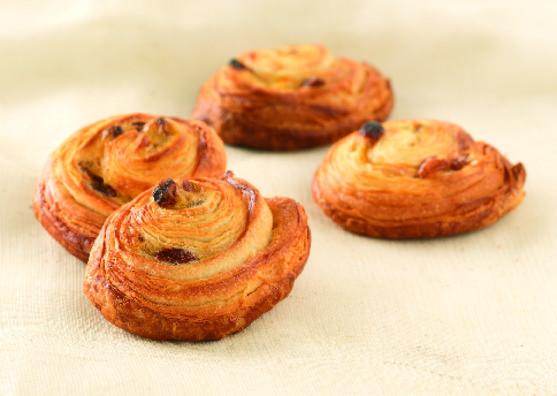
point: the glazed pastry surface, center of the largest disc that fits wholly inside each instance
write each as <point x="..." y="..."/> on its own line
<point x="196" y="259"/>
<point x="108" y="163"/>
<point x="415" y="179"/>
<point x="291" y="98"/>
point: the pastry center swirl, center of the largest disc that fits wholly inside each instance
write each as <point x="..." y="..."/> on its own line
<point x="411" y="144"/>
<point x="400" y="150"/>
<point x="117" y="160"/>
<point x="137" y="155"/>
<point x="204" y="219"/>
<point x="289" y="67"/>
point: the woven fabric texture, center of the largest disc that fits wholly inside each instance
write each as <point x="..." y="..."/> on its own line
<point x="470" y="314"/>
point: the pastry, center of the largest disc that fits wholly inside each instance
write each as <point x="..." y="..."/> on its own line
<point x="106" y="164"/>
<point x="292" y="98"/>
<point x="196" y="259"/>
<point x="415" y="179"/>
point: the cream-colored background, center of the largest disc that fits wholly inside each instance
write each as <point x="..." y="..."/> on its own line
<point x="472" y="314"/>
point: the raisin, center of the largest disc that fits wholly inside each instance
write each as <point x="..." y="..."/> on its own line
<point x="138" y="125"/>
<point x="372" y="130"/>
<point x="175" y="256"/>
<point x="313" y="82"/>
<point x="97" y="182"/>
<point x="458" y="163"/>
<point x="432" y="165"/>
<point x="236" y="64"/>
<point x="162" y="124"/>
<point x="165" y="193"/>
<point x="116" y="131"/>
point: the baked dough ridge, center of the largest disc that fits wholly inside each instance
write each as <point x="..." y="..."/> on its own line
<point x="77" y="239"/>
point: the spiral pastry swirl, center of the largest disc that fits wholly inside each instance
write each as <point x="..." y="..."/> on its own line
<point x="291" y="98"/>
<point x="196" y="259"/>
<point x="415" y="179"/>
<point x="108" y="163"/>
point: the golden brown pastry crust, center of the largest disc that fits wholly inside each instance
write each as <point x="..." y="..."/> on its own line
<point x="106" y="164"/>
<point x="292" y="98"/>
<point x="419" y="179"/>
<point x="240" y="255"/>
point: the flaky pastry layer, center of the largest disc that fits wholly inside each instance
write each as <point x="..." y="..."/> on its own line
<point x="292" y="98"/>
<point x="416" y="179"/>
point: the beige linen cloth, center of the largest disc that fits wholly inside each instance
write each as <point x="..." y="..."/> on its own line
<point x="471" y="314"/>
